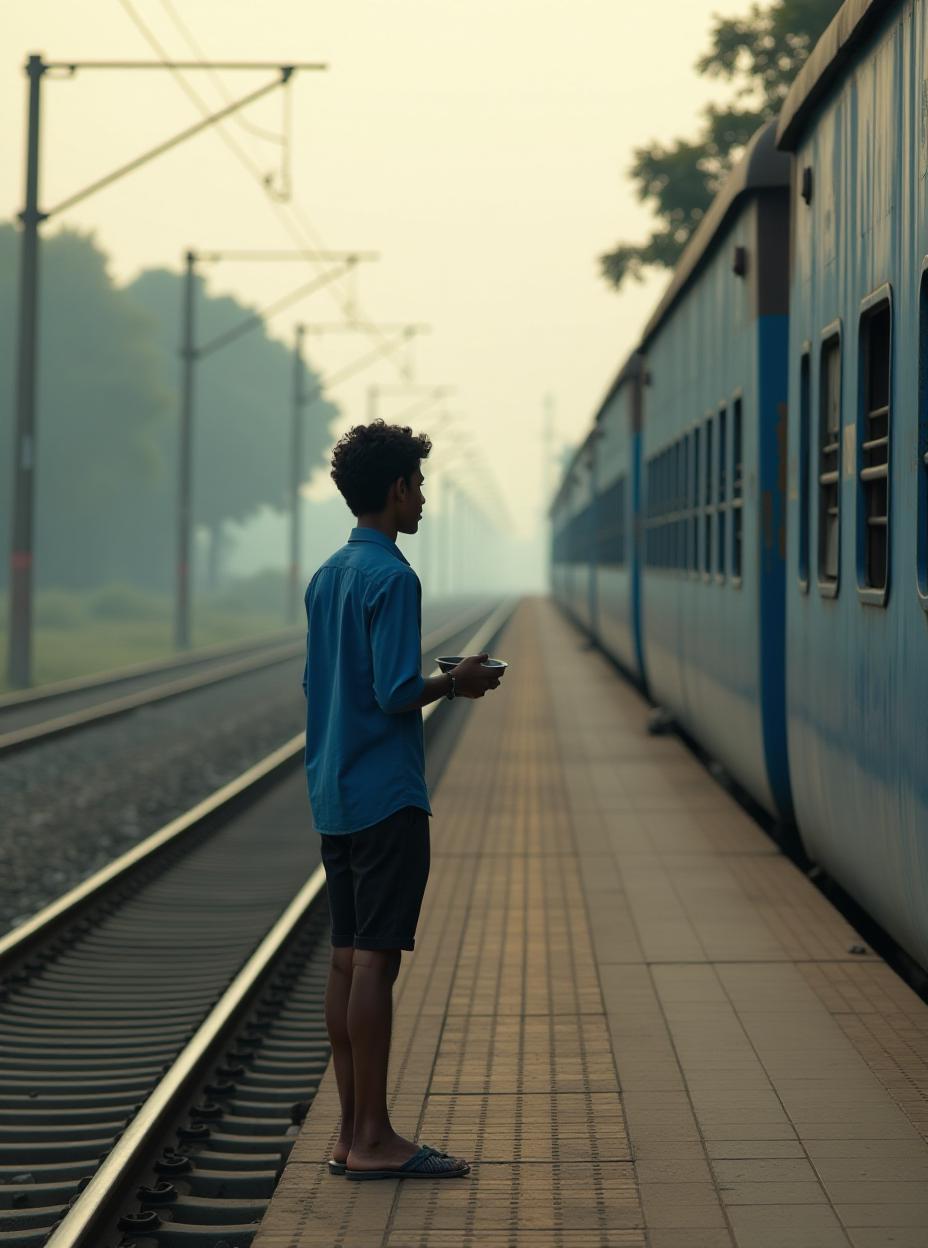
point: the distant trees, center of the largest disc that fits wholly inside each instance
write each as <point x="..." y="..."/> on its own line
<point x="242" y="421"/>
<point x="104" y="401"/>
<point x="107" y="422"/>
<point x="761" y="53"/>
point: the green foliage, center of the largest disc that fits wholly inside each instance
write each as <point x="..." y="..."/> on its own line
<point x="107" y="418"/>
<point x="127" y="602"/>
<point x="102" y="400"/>
<point x="74" y="638"/>
<point x="766" y="50"/>
<point x="241" y="444"/>
<point x="59" y="608"/>
<point x="263" y="591"/>
<point x="761" y="54"/>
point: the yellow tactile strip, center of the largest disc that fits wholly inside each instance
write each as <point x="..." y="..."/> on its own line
<point x="501" y="1050"/>
<point x="615" y="963"/>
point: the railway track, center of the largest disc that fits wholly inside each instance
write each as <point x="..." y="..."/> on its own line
<point x="37" y="715"/>
<point x="161" y="1026"/>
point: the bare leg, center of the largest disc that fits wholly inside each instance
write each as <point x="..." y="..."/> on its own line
<point x="337" y="992"/>
<point x="370" y="1023"/>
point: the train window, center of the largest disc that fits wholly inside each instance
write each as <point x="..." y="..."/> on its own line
<point x="611" y="529"/>
<point x="677" y="502"/>
<point x="922" y="444"/>
<point x="621" y="554"/>
<point x="671" y="505"/>
<point x="805" y="402"/>
<point x="737" y="492"/>
<point x="707" y="496"/>
<point x="873" y="442"/>
<point x="829" y="465"/>
<point x="721" y="491"/>
<point x="620" y="512"/>
<point x="694" y="521"/>
<point x="661" y="534"/>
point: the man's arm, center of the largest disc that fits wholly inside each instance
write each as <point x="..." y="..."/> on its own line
<point x="397" y="659"/>
<point x="433" y="688"/>
<point x="471" y="680"/>
<point x="395" y="645"/>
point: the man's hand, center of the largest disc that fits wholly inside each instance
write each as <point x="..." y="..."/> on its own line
<point x="472" y="679"/>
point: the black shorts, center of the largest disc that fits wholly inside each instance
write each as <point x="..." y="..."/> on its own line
<point x="376" y="880"/>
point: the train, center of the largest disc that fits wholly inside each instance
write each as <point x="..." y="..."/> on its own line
<point x="744" y="530"/>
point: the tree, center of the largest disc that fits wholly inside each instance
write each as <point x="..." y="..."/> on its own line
<point x="241" y="434"/>
<point x="102" y="406"/>
<point x="761" y="54"/>
<point x="105" y="500"/>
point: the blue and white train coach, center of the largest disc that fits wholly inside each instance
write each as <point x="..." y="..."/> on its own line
<point x="713" y="451"/>
<point x="856" y="123"/>
<point x="595" y="558"/>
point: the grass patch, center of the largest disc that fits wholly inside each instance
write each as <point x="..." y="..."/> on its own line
<point x="78" y="634"/>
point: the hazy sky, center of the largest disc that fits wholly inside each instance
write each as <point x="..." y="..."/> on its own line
<point x="480" y="147"/>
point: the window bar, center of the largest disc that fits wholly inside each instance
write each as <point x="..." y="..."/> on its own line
<point x="829" y="474"/>
<point x="737" y="487"/>
<point x="874" y="457"/>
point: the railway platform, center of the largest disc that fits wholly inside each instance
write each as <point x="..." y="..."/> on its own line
<point x="636" y="1018"/>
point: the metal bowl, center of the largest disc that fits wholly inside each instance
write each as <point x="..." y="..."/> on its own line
<point x="447" y="663"/>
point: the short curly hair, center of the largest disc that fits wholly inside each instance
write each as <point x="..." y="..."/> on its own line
<point x="369" y="458"/>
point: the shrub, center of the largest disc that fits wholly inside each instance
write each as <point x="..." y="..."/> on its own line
<point x="59" y="608"/>
<point x="127" y="602"/>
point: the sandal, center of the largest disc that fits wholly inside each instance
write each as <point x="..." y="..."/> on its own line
<point x="427" y="1163"/>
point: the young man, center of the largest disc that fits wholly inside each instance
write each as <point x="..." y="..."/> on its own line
<point x="365" y="765"/>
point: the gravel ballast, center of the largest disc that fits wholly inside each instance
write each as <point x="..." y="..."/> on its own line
<point x="74" y="803"/>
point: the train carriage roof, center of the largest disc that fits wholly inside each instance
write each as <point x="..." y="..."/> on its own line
<point x="631" y="370"/>
<point x="761" y="167"/>
<point x="851" y="25"/>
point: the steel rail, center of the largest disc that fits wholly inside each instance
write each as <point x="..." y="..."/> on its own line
<point x="96" y="1204"/>
<point x="149" y="667"/>
<point x="24" y="938"/>
<point x="61" y="724"/>
<point x="92" y="1207"/>
<point x="20" y="738"/>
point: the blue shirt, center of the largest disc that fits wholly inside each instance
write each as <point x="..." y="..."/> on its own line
<point x="365" y="757"/>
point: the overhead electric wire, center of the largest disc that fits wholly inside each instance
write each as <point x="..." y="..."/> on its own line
<point x="258" y="131"/>
<point x="192" y="95"/>
<point x="299" y="227"/>
<point x="303" y="232"/>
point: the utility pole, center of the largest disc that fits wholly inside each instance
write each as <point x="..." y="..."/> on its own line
<point x="190" y="354"/>
<point x="185" y="457"/>
<point x="19" y="657"/>
<point x="296" y="475"/>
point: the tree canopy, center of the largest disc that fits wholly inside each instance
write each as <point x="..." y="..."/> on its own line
<point x="760" y="54"/>
<point x="103" y="403"/>
<point x="107" y="417"/>
<point x="241" y="435"/>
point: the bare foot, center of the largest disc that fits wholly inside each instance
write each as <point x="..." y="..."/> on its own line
<point x="387" y="1153"/>
<point x="341" y="1149"/>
